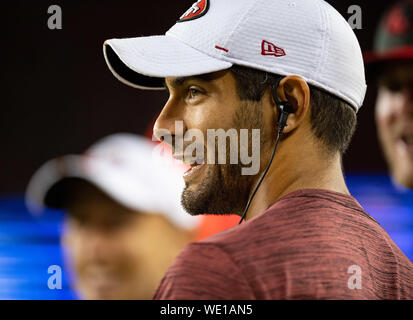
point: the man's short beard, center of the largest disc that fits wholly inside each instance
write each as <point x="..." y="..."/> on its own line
<point x="225" y="190"/>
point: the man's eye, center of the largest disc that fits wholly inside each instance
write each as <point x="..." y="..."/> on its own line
<point x="193" y="93"/>
<point x="78" y="222"/>
<point x="394" y="86"/>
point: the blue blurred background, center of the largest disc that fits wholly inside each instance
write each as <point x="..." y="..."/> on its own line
<point x="29" y="245"/>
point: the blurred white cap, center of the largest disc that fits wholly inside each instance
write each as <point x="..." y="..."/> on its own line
<point x="130" y="169"/>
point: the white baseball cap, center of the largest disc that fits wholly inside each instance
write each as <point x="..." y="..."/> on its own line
<point x="308" y="38"/>
<point x="128" y="168"/>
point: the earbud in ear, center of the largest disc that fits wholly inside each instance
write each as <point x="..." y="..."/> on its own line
<point x="284" y="108"/>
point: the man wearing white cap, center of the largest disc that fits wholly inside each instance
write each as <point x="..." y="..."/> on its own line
<point x="294" y="71"/>
<point x="391" y="65"/>
<point x="125" y="223"/>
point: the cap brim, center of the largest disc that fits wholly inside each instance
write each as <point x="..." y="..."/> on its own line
<point x="48" y="186"/>
<point x="145" y="62"/>
<point x="48" y="176"/>
<point x="400" y="53"/>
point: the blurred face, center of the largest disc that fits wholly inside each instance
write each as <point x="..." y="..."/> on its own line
<point x="117" y="253"/>
<point x="394" y="117"/>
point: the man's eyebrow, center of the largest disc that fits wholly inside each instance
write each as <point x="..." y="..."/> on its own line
<point x="179" y="81"/>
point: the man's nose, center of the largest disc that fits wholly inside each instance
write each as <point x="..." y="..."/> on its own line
<point x="166" y="127"/>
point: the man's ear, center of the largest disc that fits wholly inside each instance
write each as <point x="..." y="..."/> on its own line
<point x="295" y="90"/>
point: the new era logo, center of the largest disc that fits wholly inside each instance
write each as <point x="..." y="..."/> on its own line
<point x="270" y="49"/>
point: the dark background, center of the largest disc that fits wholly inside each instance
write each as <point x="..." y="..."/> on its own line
<point x="59" y="97"/>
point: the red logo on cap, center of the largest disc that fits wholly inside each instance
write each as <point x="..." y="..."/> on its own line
<point x="270" y="49"/>
<point x="397" y="23"/>
<point x="197" y="10"/>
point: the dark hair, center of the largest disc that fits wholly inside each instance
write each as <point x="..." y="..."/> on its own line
<point x="333" y="120"/>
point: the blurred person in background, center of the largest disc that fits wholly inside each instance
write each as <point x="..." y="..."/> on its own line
<point x="124" y="223"/>
<point x="391" y="63"/>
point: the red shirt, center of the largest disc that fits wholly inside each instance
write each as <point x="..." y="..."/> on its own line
<point x="310" y="244"/>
